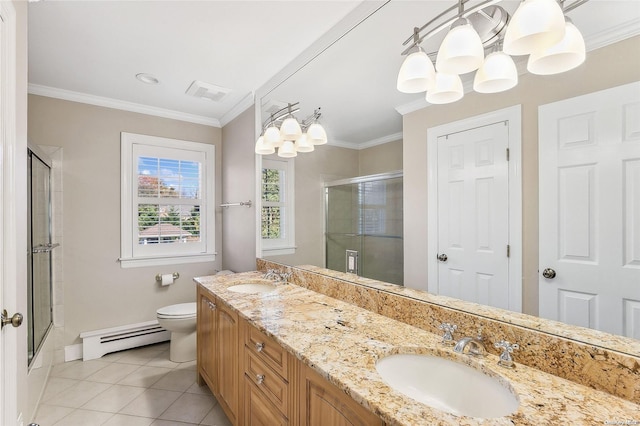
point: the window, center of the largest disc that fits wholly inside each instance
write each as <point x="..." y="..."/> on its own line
<point x="167" y="201"/>
<point x="277" y="215"/>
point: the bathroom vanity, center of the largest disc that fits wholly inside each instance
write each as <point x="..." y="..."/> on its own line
<point x="278" y="353"/>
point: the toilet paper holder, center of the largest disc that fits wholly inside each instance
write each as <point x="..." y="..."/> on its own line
<point x="175" y="276"/>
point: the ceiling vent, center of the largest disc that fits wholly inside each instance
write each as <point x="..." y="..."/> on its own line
<point x="207" y="91"/>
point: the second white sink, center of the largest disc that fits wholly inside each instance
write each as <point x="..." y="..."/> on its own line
<point x="252" y="288"/>
<point x="447" y="385"/>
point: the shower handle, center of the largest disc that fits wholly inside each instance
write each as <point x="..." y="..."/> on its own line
<point x="15" y="320"/>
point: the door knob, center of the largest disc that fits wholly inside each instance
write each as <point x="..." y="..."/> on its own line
<point x="442" y="257"/>
<point x="15" y="320"/>
<point x="549" y="273"/>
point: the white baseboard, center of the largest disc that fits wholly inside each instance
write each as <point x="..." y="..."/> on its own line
<point x="72" y="352"/>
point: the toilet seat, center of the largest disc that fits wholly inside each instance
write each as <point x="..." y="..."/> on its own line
<point x="179" y="311"/>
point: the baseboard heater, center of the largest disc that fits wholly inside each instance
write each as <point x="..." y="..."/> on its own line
<point x="101" y="342"/>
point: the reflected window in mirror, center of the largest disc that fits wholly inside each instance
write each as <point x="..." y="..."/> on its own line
<point x="277" y="220"/>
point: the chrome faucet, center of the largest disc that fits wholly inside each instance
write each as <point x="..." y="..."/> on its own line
<point x="277" y="276"/>
<point x="506" y="360"/>
<point x="474" y="346"/>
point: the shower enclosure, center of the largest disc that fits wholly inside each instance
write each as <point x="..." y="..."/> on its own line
<point x="364" y="226"/>
<point x="39" y="288"/>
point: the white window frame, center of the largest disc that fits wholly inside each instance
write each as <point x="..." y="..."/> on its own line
<point x="131" y="144"/>
<point x="284" y="245"/>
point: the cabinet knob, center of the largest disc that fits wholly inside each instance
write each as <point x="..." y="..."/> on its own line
<point x="212" y="306"/>
<point x="259" y="346"/>
<point x="260" y="378"/>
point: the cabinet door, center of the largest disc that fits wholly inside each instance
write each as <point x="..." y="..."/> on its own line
<point x="206" y="340"/>
<point x="258" y="410"/>
<point x="323" y="404"/>
<point x="227" y="357"/>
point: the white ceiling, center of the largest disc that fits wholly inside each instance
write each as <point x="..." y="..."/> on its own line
<point x="354" y="81"/>
<point x="90" y="51"/>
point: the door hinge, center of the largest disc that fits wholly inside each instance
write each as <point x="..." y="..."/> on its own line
<point x="507" y="154"/>
<point x="508" y="250"/>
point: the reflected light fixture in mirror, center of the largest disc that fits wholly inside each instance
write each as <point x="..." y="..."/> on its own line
<point x="292" y="136"/>
<point x="538" y="28"/>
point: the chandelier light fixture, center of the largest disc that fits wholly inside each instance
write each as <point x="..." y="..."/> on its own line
<point x="538" y="28"/>
<point x="292" y="136"/>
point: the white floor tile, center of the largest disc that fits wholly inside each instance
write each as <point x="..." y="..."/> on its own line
<point x="170" y="423"/>
<point x="151" y="403"/>
<point x="112" y="373"/>
<point x="49" y="414"/>
<point x="216" y="417"/>
<point x="56" y="385"/>
<point x="177" y="380"/>
<point x="114" y="399"/>
<point x="79" y="394"/>
<point x="81" y="370"/>
<point x="144" y="376"/>
<point x="162" y="360"/>
<point x="84" y="418"/>
<point x="195" y="388"/>
<point x="124" y="420"/>
<point x="189" y="408"/>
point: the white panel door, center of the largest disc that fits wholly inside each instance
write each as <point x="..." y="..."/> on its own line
<point x="473" y="215"/>
<point x="589" y="172"/>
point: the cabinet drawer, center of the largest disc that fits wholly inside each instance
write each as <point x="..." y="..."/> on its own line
<point x="258" y="411"/>
<point x="274" y="387"/>
<point x="267" y="350"/>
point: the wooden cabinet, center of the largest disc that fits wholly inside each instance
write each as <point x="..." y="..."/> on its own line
<point x="218" y="351"/>
<point x="257" y="382"/>
<point x="206" y="341"/>
<point x="323" y="404"/>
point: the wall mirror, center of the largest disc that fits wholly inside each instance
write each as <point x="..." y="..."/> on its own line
<point x="353" y="80"/>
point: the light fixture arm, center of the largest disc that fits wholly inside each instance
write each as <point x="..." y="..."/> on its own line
<point x="280" y="114"/>
<point x="416" y="39"/>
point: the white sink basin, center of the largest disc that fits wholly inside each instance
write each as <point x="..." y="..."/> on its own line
<point x="447" y="385"/>
<point x="252" y="288"/>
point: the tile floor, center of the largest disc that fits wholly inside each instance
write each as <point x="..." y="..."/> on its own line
<point x="137" y="387"/>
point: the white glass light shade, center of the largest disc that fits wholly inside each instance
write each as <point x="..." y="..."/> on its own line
<point x="287" y="150"/>
<point x="316" y="134"/>
<point x="564" y="56"/>
<point x="303" y="144"/>
<point x="263" y="148"/>
<point x="290" y="129"/>
<point x="416" y="73"/>
<point x="535" y="25"/>
<point x="447" y="89"/>
<point x="497" y="74"/>
<point x="461" y="51"/>
<point x="272" y="137"/>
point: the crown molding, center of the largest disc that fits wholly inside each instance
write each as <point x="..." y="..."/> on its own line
<point x="245" y="103"/>
<point x="381" y="141"/>
<point x="68" y="95"/>
<point x="595" y="41"/>
<point x="613" y="35"/>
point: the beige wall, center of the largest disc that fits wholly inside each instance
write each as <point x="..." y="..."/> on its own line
<point x="380" y="158"/>
<point x="98" y="293"/>
<point x="238" y="184"/>
<point x="607" y="67"/>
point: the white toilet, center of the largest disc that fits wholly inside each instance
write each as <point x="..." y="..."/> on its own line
<point x="180" y="320"/>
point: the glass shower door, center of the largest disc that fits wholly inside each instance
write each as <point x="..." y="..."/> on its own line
<point x="365" y="216"/>
<point x="40" y="315"/>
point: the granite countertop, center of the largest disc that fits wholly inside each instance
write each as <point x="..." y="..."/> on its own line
<point x="343" y="342"/>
